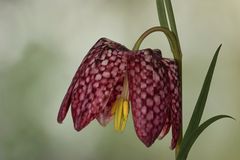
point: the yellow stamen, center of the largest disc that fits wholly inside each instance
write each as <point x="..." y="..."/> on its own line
<point x="125" y="115"/>
<point x="121" y="108"/>
<point x="125" y="109"/>
<point x="124" y="122"/>
<point x="119" y="113"/>
<point x="114" y="107"/>
<point x="116" y="115"/>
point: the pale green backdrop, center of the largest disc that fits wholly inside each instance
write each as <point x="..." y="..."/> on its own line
<point x="42" y="42"/>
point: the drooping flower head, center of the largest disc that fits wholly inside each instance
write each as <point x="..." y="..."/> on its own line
<point x="111" y="77"/>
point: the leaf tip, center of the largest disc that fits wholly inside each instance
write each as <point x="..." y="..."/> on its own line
<point x="219" y="47"/>
<point x="232" y="118"/>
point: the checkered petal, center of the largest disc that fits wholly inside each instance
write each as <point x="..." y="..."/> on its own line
<point x="93" y="84"/>
<point x="106" y="116"/>
<point x="175" y="99"/>
<point x="150" y="94"/>
<point x="146" y="95"/>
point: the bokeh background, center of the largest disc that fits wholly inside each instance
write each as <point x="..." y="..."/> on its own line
<point x="42" y="42"/>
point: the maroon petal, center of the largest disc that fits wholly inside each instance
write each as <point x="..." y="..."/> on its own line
<point x="147" y="94"/>
<point x="67" y="98"/>
<point x="175" y="99"/>
<point x="94" y="81"/>
<point x="166" y="126"/>
<point x="106" y="116"/>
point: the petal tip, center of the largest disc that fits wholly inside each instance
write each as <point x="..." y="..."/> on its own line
<point x="77" y="127"/>
<point x="61" y="116"/>
<point x="59" y="120"/>
<point x="162" y="135"/>
<point x="147" y="142"/>
<point x="173" y="146"/>
<point x="174" y="142"/>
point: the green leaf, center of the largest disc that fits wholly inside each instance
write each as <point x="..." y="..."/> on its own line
<point x="189" y="141"/>
<point x="162" y="13"/>
<point x="171" y="17"/>
<point x="200" y="105"/>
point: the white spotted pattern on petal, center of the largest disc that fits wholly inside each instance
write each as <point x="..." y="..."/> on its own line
<point x="155" y="91"/>
<point x="175" y="99"/>
<point x="92" y="85"/>
<point x="145" y="95"/>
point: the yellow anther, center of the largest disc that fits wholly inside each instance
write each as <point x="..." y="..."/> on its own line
<point x="125" y="109"/>
<point x="121" y="114"/>
<point x="123" y="124"/>
<point x="118" y="114"/>
<point x="121" y="108"/>
<point x="114" y="107"/>
<point x="115" y="114"/>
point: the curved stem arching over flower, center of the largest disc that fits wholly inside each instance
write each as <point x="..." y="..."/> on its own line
<point x="172" y="39"/>
<point x="177" y="54"/>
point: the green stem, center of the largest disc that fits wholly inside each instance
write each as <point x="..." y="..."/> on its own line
<point x="171" y="19"/>
<point x="170" y="36"/>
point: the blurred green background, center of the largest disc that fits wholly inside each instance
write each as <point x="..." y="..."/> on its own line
<point x="42" y="42"/>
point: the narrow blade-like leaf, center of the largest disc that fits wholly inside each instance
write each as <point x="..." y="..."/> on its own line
<point x="162" y="13"/>
<point x="189" y="141"/>
<point x="200" y="105"/>
<point x="171" y="17"/>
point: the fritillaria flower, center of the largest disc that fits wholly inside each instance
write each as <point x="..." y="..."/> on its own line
<point x="112" y="79"/>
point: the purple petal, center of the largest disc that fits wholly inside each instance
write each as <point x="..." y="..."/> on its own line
<point x="147" y="94"/>
<point x="67" y="98"/>
<point x="166" y="126"/>
<point x="106" y="116"/>
<point x="154" y="93"/>
<point x="174" y="95"/>
<point x="93" y="83"/>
